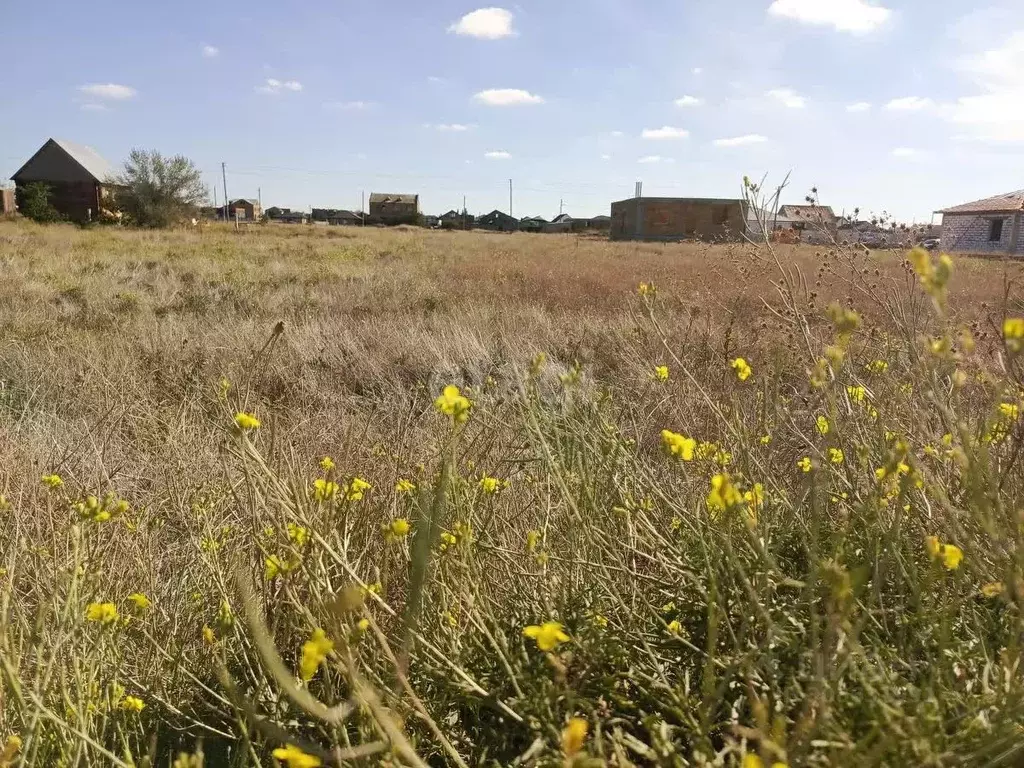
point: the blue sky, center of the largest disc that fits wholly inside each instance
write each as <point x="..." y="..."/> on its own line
<point x="897" y="105"/>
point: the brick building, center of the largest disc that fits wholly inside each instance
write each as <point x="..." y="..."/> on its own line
<point x="677" y="218"/>
<point x="386" y="208"/>
<point x="992" y="225"/>
<point x="78" y="178"/>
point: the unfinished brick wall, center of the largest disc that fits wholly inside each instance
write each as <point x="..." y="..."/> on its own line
<point x="648" y="218"/>
<point x="969" y="233"/>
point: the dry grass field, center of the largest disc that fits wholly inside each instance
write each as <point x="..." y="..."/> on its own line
<point x="765" y="511"/>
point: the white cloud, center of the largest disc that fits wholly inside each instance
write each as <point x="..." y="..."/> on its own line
<point x="689" y="101"/>
<point x="497" y="154"/>
<point x="485" y="24"/>
<point x="996" y="111"/>
<point x="349" y="106"/>
<point x="273" y="85"/>
<point x="436" y="80"/>
<point x="740" y="141"/>
<point x="855" y="16"/>
<point x="111" y="91"/>
<point x="697" y="70"/>
<point x="616" y="134"/>
<point x="211" y="51"/>
<point x="665" y="132"/>
<point x="650" y="159"/>
<point x="507" y="97"/>
<point x="787" y="97"/>
<point x="92" y="107"/>
<point x="606" y="157"/>
<point x="454" y="127"/>
<point x="909" y="104"/>
<point x="860" y="106"/>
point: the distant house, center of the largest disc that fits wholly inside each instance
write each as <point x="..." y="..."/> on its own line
<point x="431" y="221"/>
<point x="244" y="209"/>
<point x="391" y="209"/>
<point x="80" y="181"/>
<point x="991" y="225"/>
<point x="532" y="224"/>
<point x="813" y="214"/>
<point x="455" y="220"/>
<point x="498" y="221"/>
<point x="678" y="218"/>
<point x="599" y="223"/>
<point x="561" y="223"/>
<point x="338" y="217"/>
<point x="286" y="215"/>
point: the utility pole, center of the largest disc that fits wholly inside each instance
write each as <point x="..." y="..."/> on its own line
<point x="362" y="207"/>
<point x="224" y="177"/>
<point x="510" y="197"/>
<point x="259" y="198"/>
<point x="215" y="206"/>
<point x="561" y="203"/>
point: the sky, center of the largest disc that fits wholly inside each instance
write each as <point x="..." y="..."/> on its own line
<point x="903" y="106"/>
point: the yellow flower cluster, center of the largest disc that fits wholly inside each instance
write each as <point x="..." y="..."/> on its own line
<point x="724" y="494"/>
<point x="246" y="421"/>
<point x="1013" y="334"/>
<point x="491" y="484"/>
<point x="453" y="403"/>
<point x="140" y="602"/>
<point x="132" y="704"/>
<point x="950" y="554"/>
<point x="661" y="372"/>
<point x="397" y="529"/>
<point x="678" y="445"/>
<point x="325" y="490"/>
<point x="102" y="613"/>
<point x="101" y="510"/>
<point x="405" y="486"/>
<point x="646" y="289"/>
<point x="52" y="481"/>
<point x="548" y="635"/>
<point x="742" y="368"/>
<point x="293" y="757"/>
<point x="573" y="736"/>
<point x="314" y="651"/>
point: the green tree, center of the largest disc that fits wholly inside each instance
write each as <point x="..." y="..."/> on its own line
<point x="34" y="202"/>
<point x="155" y="191"/>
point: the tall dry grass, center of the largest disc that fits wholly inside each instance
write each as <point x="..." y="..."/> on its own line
<point x="805" y="619"/>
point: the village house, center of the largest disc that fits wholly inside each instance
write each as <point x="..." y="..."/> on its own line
<point x="678" y="218"/>
<point x="532" y="224"/>
<point x="286" y="215"/>
<point x="498" y="221"/>
<point x="338" y="217"/>
<point x="80" y="181"/>
<point x="391" y="209"/>
<point x="991" y="225"/>
<point x="245" y="209"/>
<point x="454" y="220"/>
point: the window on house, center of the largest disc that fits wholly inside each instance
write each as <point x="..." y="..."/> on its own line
<point x="995" y="230"/>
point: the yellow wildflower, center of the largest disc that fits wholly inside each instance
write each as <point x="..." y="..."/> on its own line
<point x="723" y="493"/>
<point x="753" y="761"/>
<point x="755" y="496"/>
<point x="397" y="529"/>
<point x="246" y="421"/>
<point x="766" y="439"/>
<point x="856" y="393"/>
<point x="355" y="489"/>
<point x="1008" y="411"/>
<point x="140" y="601"/>
<point x="678" y="445"/>
<point x="405" y="486"/>
<point x="10" y="750"/>
<point x="573" y="736"/>
<point x="877" y="366"/>
<point x="448" y="540"/>
<point x="324" y="490"/>
<point x="52" y="481"/>
<point x="363" y="624"/>
<point x="489" y="484"/>
<point x="1013" y="334"/>
<point x="933" y="546"/>
<point x="599" y="621"/>
<point x="992" y="589"/>
<point x="294" y="757"/>
<point x="805" y="464"/>
<point x="326" y="463"/>
<point x="104" y="613"/>
<point x="132" y="704"/>
<point x="742" y="368"/>
<point x="661" y="372"/>
<point x="548" y="635"/>
<point x="209" y="637"/>
<point x="646" y="289"/>
<point x="314" y="651"/>
<point x="822" y="424"/>
<point x="454" y="404"/>
<point x="275" y="566"/>
<point x="951" y="556"/>
<point x="674" y="627"/>
<point x="297" y="534"/>
<point x="835" y="455"/>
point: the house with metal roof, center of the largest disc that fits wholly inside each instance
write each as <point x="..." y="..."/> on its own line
<point x="80" y="180"/>
<point x="991" y="225"/>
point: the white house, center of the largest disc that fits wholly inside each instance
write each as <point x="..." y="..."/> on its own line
<point x="991" y="225"/>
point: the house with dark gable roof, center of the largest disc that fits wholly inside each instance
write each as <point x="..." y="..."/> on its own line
<point x="991" y="225"/>
<point x="80" y="180"/>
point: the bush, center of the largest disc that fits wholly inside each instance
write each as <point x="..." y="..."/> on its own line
<point x="154" y="191"/>
<point x="34" y="202"/>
